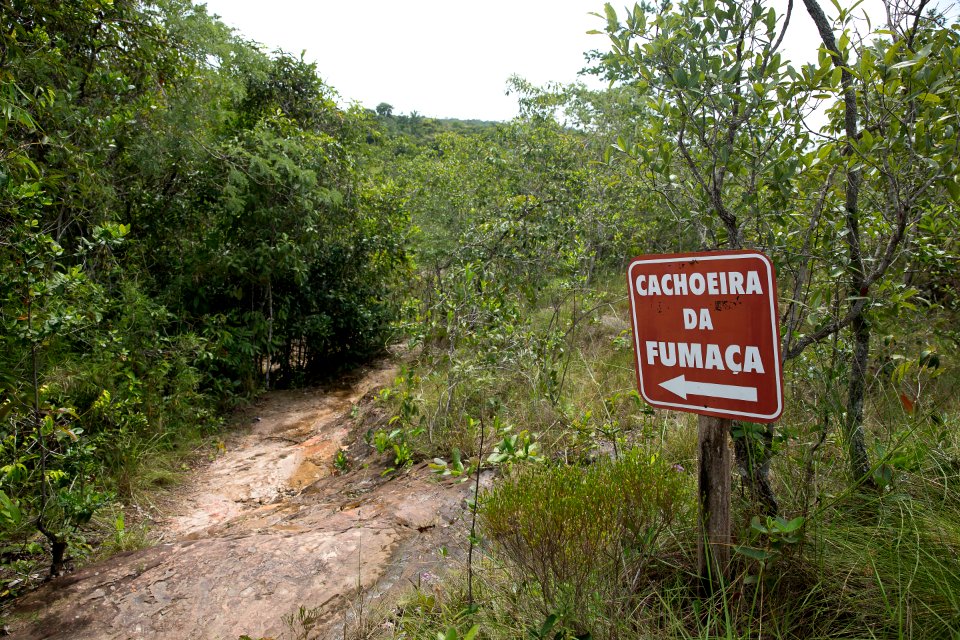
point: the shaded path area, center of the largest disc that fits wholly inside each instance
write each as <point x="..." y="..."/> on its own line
<point x="265" y="529"/>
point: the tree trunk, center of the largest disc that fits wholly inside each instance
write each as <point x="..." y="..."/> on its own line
<point x="58" y="551"/>
<point x="269" y="332"/>
<point x="753" y="464"/>
<point x="853" y="427"/>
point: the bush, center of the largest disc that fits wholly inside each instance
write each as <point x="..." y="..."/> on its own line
<point x="586" y="535"/>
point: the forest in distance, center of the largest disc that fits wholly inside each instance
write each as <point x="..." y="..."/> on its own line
<point x="188" y="221"/>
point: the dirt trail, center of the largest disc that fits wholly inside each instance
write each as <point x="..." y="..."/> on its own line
<point x="263" y="530"/>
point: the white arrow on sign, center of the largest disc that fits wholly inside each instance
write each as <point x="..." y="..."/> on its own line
<point x="682" y="387"/>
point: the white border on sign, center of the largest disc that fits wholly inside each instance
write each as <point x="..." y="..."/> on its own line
<point x="774" y="332"/>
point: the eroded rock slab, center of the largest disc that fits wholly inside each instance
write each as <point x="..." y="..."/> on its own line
<point x="265" y="530"/>
<point x="290" y="444"/>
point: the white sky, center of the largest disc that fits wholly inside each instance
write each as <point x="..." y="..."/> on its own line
<point x="442" y="58"/>
<point x="450" y="58"/>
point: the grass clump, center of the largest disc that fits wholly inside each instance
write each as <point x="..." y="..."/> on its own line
<point x="586" y="535"/>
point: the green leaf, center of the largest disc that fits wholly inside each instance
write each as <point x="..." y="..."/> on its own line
<point x="953" y="188"/>
<point x="836" y="77"/>
<point x="771" y="20"/>
<point x="793" y="525"/>
<point x="751" y="552"/>
<point x="9" y="510"/>
<point x="547" y="625"/>
<point x="611" y="14"/>
<point x="905" y="64"/>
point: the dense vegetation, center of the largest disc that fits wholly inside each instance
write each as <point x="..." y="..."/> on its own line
<point x="188" y="220"/>
<point x="185" y="221"/>
<point x="845" y="172"/>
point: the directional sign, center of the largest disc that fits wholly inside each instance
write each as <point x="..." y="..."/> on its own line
<point x="706" y="337"/>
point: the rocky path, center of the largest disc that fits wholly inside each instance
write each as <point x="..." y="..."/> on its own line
<point x="267" y="529"/>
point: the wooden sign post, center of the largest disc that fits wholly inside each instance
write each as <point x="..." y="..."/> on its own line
<point x="707" y="341"/>
<point x="713" y="488"/>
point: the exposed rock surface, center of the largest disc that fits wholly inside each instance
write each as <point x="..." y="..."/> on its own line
<point x="265" y="529"/>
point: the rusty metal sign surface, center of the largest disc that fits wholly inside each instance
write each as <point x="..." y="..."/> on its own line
<point x="706" y="338"/>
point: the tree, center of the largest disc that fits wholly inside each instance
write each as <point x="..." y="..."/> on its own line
<point x="720" y="140"/>
<point x="901" y="147"/>
<point x="181" y="217"/>
<point x="729" y="146"/>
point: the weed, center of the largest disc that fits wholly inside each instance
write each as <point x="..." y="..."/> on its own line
<point x="341" y="462"/>
<point x="453" y="468"/>
<point x="300" y="623"/>
<point x="398" y="442"/>
<point x="585" y="535"/>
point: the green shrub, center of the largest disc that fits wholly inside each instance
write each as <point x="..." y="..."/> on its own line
<point x="585" y="535"/>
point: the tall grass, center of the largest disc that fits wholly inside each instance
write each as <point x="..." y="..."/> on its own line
<point x="586" y="536"/>
<point x="560" y="556"/>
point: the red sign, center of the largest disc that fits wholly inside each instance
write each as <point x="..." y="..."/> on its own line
<point x="705" y="332"/>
